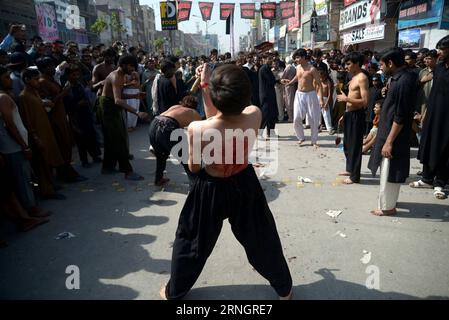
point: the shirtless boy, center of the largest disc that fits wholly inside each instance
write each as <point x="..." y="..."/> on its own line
<point x="223" y="191"/>
<point x="353" y="119"/>
<point x="306" y="98"/>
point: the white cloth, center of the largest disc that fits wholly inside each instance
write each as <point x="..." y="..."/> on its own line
<point x="327" y="116"/>
<point x="389" y="192"/>
<point x="133" y="103"/>
<point x="155" y="105"/>
<point x="306" y="103"/>
<point x="279" y="89"/>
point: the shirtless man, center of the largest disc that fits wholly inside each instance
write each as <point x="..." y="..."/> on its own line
<point x="306" y="98"/>
<point x="102" y="70"/>
<point x="354" y="123"/>
<point x="178" y="116"/>
<point x="113" y="102"/>
<point x="225" y="191"/>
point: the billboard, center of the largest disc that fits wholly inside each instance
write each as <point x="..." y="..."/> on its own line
<point x="361" y="12"/>
<point x="414" y="13"/>
<point x="409" y="39"/>
<point x="47" y="24"/>
<point x="169" y="16"/>
<point x="364" y="34"/>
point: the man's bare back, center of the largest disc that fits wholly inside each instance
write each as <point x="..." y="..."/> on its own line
<point x="182" y="114"/>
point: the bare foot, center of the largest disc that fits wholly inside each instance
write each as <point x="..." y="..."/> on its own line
<point x="300" y="142"/>
<point x="348" y="181"/>
<point x="288" y="297"/>
<point x="161" y="182"/>
<point x="315" y="145"/>
<point x="346" y="174"/>
<point x="162" y="292"/>
<point x="379" y="212"/>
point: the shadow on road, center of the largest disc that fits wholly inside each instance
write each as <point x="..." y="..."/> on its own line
<point x="327" y="288"/>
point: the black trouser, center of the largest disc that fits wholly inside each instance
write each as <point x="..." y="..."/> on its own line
<point x="239" y="198"/>
<point x="160" y="130"/>
<point x="354" y="128"/>
<point x="269" y="117"/>
<point x="440" y="176"/>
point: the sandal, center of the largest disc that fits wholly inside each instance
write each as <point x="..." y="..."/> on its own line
<point x="439" y="194"/>
<point x="420" y="185"/>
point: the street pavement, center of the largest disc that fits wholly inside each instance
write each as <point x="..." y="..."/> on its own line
<point x="124" y="233"/>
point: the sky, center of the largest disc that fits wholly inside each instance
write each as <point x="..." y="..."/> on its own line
<point x="216" y="26"/>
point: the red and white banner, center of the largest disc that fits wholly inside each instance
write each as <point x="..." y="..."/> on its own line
<point x="184" y="8"/>
<point x="226" y="9"/>
<point x="206" y="9"/>
<point x="47" y="25"/>
<point x="348" y="2"/>
<point x="295" y="21"/>
<point x="287" y="9"/>
<point x="268" y="10"/>
<point x="247" y="10"/>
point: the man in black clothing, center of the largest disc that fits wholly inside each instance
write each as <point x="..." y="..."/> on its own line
<point x="170" y="90"/>
<point x="392" y="149"/>
<point x="267" y="95"/>
<point x="434" y="147"/>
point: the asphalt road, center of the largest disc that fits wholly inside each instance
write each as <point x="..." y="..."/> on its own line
<point x="124" y="231"/>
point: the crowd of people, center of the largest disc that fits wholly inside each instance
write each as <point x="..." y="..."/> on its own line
<point x="54" y="96"/>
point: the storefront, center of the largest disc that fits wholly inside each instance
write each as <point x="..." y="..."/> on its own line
<point x="422" y="23"/>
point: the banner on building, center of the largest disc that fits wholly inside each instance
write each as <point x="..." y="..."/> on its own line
<point x="409" y="39"/>
<point x="226" y="9"/>
<point x="295" y="21"/>
<point x="287" y="9"/>
<point x="247" y="10"/>
<point x="414" y="13"/>
<point x="206" y="10"/>
<point x="361" y="12"/>
<point x="321" y="7"/>
<point x="169" y="17"/>
<point x="47" y="24"/>
<point x="184" y="8"/>
<point x="268" y="10"/>
<point x="364" y="34"/>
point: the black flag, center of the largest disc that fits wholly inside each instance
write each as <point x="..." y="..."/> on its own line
<point x="229" y="22"/>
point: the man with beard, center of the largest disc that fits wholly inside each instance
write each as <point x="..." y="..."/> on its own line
<point x="113" y="103"/>
<point x="392" y="149"/>
<point x="434" y="147"/>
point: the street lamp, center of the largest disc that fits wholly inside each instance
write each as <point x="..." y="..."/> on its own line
<point x="207" y="31"/>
